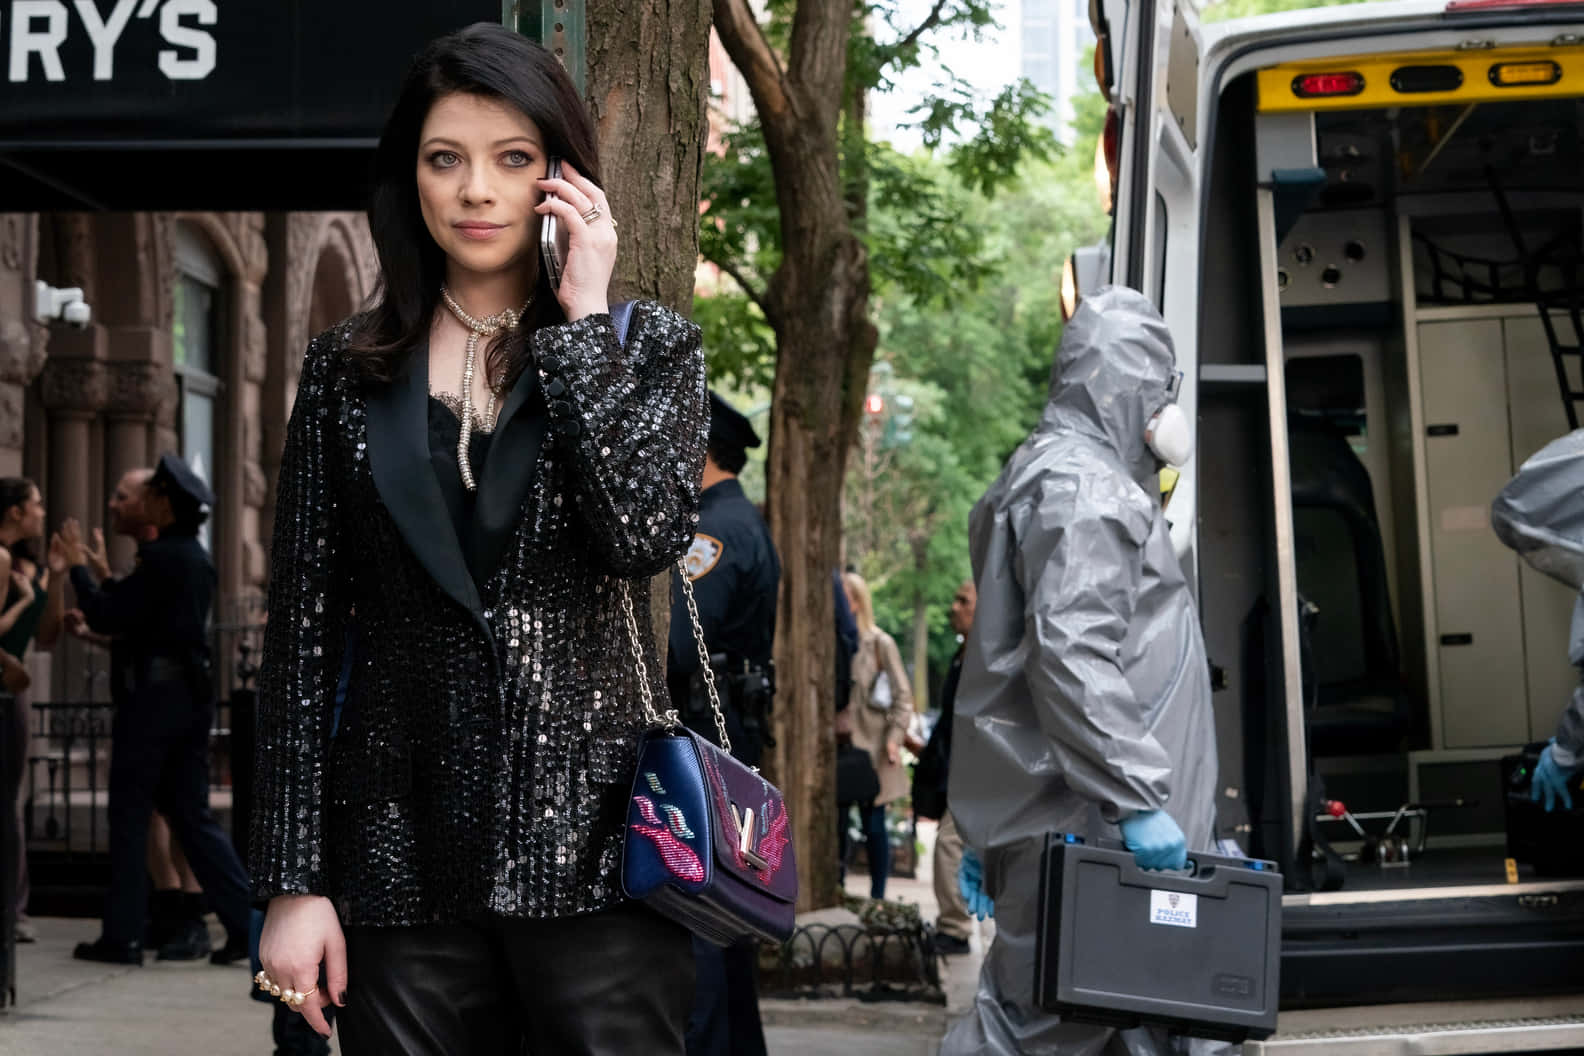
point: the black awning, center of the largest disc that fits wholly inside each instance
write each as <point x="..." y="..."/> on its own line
<point x="204" y="104"/>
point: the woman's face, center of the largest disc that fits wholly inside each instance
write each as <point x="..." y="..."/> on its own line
<point x="479" y="162"/>
<point x="29" y="515"/>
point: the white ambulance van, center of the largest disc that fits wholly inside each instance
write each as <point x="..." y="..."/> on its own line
<point x="1365" y="227"/>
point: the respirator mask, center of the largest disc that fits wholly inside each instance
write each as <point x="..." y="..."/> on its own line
<point x="1169" y="434"/>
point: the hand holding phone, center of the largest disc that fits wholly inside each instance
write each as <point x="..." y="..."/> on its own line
<point x="577" y="240"/>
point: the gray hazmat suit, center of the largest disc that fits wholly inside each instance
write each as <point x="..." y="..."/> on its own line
<point x="1085" y="693"/>
<point x="1540" y="514"/>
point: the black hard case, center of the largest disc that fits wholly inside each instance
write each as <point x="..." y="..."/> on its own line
<point x="1099" y="958"/>
<point x="1551" y="841"/>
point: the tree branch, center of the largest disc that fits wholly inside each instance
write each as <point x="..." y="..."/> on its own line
<point x="753" y="292"/>
<point x="821" y="31"/>
<point x="754" y="58"/>
<point x="929" y="23"/>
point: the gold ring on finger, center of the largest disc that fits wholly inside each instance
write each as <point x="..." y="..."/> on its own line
<point x="299" y="997"/>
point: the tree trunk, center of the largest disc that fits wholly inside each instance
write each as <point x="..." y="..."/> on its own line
<point x="810" y="426"/>
<point x="921" y="699"/>
<point x="818" y="304"/>
<point x="648" y="81"/>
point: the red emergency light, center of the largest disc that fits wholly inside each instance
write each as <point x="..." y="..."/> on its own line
<point x="875" y="403"/>
<point x="1323" y="85"/>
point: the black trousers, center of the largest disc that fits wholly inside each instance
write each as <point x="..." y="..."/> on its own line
<point x="159" y="758"/>
<point x="614" y="983"/>
<point x="725" y="1017"/>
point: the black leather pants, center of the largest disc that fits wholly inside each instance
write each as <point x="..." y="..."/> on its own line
<point x="614" y="983"/>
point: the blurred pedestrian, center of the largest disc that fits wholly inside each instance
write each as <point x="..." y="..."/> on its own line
<point x="175" y="929"/>
<point x="160" y="738"/>
<point x="33" y="613"/>
<point x="448" y="873"/>
<point x="880" y="713"/>
<point x="735" y="573"/>
<point x="846" y="642"/>
<point x="953" y="926"/>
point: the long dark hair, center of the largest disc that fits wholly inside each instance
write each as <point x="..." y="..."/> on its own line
<point x="14" y="492"/>
<point x="488" y="60"/>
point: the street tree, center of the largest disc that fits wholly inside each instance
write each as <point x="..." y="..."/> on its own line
<point x="788" y="220"/>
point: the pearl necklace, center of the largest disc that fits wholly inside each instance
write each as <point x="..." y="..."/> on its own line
<point x="489" y="326"/>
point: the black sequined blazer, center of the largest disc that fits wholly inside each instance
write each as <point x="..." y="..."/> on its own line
<point x="482" y="760"/>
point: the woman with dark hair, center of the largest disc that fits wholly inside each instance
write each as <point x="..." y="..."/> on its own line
<point x="32" y="612"/>
<point x="483" y="471"/>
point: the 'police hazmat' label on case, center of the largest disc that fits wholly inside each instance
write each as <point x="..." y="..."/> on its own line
<point x="1174" y="908"/>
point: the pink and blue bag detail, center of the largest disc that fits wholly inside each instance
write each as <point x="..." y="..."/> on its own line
<point x="708" y="841"/>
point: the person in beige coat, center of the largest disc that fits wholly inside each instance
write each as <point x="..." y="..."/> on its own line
<point x="878" y="714"/>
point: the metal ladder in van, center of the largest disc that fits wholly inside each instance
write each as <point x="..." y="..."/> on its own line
<point x="1561" y="309"/>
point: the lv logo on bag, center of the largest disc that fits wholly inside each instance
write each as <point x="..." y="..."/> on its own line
<point x="749" y="837"/>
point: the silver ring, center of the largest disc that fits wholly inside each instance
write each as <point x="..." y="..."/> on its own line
<point x="594" y="213"/>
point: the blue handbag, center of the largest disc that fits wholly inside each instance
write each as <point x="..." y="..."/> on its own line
<point x="708" y="841"/>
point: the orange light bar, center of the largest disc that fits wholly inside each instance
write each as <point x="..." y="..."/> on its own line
<point x="1509" y="74"/>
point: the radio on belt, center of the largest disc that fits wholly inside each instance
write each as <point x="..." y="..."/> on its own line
<point x="1197" y="952"/>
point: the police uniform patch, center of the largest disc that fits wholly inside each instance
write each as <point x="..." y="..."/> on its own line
<point x="703" y="556"/>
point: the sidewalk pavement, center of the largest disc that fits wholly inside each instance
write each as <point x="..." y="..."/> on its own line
<point x="67" y="1007"/>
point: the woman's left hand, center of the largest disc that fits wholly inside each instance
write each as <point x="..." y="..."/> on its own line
<point x="591" y="243"/>
<point x="893" y="753"/>
<point x="60" y="556"/>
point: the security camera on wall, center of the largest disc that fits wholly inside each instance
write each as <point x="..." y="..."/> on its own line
<point x="57" y="304"/>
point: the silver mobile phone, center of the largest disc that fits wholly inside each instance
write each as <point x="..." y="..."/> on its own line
<point x="552" y="234"/>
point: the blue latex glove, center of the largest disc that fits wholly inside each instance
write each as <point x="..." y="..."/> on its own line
<point x="1551" y="782"/>
<point x="970" y="881"/>
<point x="1155" y="840"/>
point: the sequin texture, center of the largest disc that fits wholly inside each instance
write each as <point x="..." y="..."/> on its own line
<point x="484" y="759"/>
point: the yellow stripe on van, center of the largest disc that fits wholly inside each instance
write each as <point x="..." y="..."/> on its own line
<point x="1427" y="78"/>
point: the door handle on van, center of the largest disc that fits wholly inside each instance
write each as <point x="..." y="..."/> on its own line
<point x="1457" y="639"/>
<point x="1449" y="429"/>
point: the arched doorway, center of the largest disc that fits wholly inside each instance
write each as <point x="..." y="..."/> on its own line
<point x="333" y="296"/>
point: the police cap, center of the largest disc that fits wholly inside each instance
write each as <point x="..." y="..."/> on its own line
<point x="729" y="428"/>
<point x="175" y="478"/>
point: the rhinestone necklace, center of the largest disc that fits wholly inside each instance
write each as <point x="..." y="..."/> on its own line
<point x="489" y="326"/>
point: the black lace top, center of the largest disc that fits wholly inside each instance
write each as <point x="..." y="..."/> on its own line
<point x="444" y="430"/>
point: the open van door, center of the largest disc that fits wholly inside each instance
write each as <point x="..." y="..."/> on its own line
<point x="1131" y="39"/>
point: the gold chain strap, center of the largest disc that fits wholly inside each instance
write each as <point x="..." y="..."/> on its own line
<point x="670" y="717"/>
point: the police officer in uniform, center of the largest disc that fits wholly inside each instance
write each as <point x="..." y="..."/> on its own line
<point x="734" y="571"/>
<point x="160" y="734"/>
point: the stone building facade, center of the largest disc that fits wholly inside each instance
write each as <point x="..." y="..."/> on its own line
<point x="199" y="325"/>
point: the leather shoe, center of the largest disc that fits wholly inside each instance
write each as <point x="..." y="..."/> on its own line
<point x="234" y="950"/>
<point x="950" y="945"/>
<point x="189" y="942"/>
<point x="109" y="952"/>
